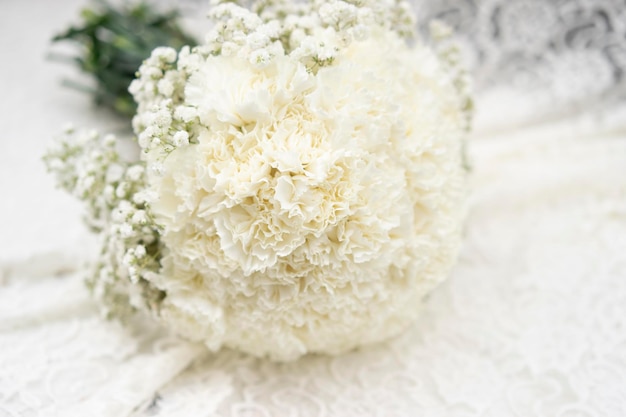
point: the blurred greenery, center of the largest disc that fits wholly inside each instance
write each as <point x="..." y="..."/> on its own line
<point x="113" y="42"/>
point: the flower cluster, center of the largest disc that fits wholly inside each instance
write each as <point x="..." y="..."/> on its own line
<point x="301" y="184"/>
<point x="314" y="32"/>
<point x="89" y="166"/>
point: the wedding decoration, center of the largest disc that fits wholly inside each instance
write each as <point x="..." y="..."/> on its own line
<point x="301" y="182"/>
<point x="114" y="41"/>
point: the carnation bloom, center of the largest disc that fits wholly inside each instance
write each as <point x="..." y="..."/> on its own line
<point x="312" y="210"/>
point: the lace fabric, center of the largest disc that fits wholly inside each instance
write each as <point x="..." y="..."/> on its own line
<point x="544" y="59"/>
<point x="531" y="322"/>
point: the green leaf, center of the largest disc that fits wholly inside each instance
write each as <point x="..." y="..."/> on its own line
<point x="114" y="42"/>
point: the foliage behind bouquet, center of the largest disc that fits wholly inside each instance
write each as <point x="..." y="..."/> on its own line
<point x="115" y="41"/>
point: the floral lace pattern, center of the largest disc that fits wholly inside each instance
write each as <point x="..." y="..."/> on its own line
<point x="545" y="58"/>
<point x="532" y="322"/>
<point x="536" y="43"/>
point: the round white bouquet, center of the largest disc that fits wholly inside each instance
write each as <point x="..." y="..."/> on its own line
<point x="301" y="183"/>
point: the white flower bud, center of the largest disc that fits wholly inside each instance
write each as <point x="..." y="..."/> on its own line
<point x="165" y="54"/>
<point x="139" y="217"/>
<point x="134" y="173"/>
<point x="181" y="138"/>
<point x="157" y="168"/>
<point x="140" y="251"/>
<point x="122" y="189"/>
<point x="185" y="113"/>
<point x="126" y="230"/>
<point x="165" y="87"/>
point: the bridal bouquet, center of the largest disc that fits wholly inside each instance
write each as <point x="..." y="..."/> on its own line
<point x="300" y="182"/>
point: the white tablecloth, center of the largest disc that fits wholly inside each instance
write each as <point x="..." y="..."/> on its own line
<point x="532" y="321"/>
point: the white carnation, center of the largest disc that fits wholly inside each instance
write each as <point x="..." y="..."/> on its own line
<point x="314" y="209"/>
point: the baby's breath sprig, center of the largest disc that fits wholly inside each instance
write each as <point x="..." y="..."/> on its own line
<point x="88" y="166"/>
<point x="449" y="53"/>
<point x="314" y="32"/>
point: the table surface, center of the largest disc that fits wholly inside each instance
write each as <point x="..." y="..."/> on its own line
<point x="532" y="321"/>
